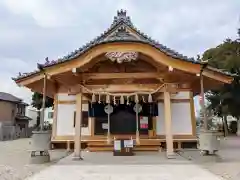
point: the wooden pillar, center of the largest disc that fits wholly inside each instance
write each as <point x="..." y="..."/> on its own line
<point x="78" y="128"/>
<point x="43" y="102"/>
<point x="92" y="127"/>
<point x="168" y="124"/>
<point x="154" y="122"/>
<point x="137" y="124"/>
<point x="68" y="146"/>
<point x="108" y="133"/>
<point x="203" y="109"/>
<point x="55" y="112"/>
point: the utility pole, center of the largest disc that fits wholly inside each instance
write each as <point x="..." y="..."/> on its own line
<point x="203" y="109"/>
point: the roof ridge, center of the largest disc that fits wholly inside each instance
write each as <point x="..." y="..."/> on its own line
<point x="120" y="20"/>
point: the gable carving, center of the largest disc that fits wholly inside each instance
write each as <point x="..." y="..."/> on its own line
<point x="108" y="66"/>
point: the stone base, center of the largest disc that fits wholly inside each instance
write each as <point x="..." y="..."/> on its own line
<point x="39" y="159"/>
<point x="238" y="132"/>
<point x="171" y="155"/>
<point x="77" y="158"/>
<point x="238" y="128"/>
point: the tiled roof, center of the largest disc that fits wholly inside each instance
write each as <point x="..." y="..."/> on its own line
<point x="120" y="33"/>
<point x="9" y="97"/>
<point x="117" y="32"/>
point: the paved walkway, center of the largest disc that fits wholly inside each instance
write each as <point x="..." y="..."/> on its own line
<point x="103" y="166"/>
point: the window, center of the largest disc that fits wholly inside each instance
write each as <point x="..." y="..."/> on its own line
<point x="50" y="115"/>
<point x="84" y="119"/>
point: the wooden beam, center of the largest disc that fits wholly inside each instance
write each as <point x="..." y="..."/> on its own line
<point x="142" y="75"/>
<point x="157" y="56"/>
<point x="218" y="76"/>
<point x="128" y="88"/>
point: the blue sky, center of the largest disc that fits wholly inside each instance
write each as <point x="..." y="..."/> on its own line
<point x="31" y="30"/>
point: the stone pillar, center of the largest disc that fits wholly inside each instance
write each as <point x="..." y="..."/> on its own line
<point x="238" y="127"/>
<point x="168" y="124"/>
<point x="78" y="128"/>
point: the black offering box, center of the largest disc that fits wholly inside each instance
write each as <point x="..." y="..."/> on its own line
<point x="123" y="147"/>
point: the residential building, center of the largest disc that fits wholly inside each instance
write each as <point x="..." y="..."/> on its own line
<point x="33" y="114"/>
<point x="13" y="121"/>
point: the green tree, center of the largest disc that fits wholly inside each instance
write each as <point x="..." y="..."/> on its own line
<point x="226" y="57"/>
<point x="37" y="99"/>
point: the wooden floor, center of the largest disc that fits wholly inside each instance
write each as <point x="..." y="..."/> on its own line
<point x="144" y="145"/>
<point x="99" y="143"/>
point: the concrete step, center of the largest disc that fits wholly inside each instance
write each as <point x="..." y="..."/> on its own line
<point x="110" y="148"/>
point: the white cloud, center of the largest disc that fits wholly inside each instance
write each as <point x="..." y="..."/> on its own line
<point x="45" y="13"/>
<point x="10" y="69"/>
<point x="11" y="87"/>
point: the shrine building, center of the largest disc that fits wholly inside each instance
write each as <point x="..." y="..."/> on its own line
<point x="123" y="84"/>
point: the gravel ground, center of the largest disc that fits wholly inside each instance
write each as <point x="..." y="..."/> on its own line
<point x="225" y="164"/>
<point x="14" y="160"/>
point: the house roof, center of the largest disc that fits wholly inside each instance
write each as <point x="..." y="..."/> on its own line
<point x="23" y="118"/>
<point x="117" y="32"/>
<point x="10" y="98"/>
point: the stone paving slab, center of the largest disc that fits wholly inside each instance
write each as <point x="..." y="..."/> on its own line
<point x="145" y="165"/>
<point x="107" y="158"/>
<point x="125" y="172"/>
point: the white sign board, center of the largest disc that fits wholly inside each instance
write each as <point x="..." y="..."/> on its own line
<point x="128" y="143"/>
<point x="105" y="125"/>
<point x="117" y="145"/>
<point x="144" y="120"/>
